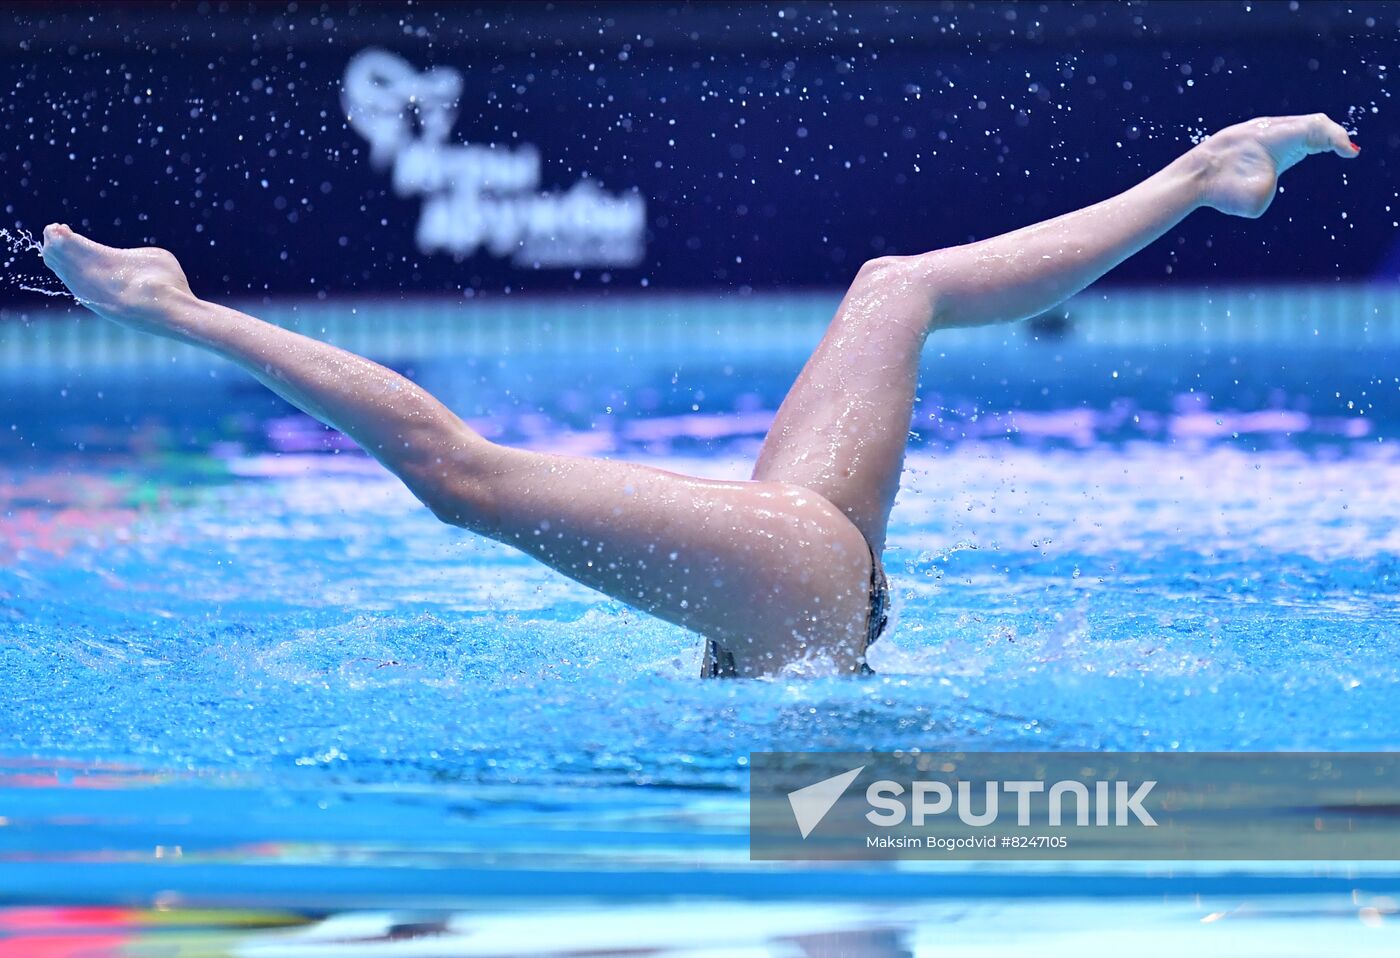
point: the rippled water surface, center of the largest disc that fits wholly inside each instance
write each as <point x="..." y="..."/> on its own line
<point x="230" y="638"/>
<point x="1145" y="597"/>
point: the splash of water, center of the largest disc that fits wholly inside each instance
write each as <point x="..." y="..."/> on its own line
<point x="47" y="292"/>
<point x="20" y="241"/>
<point x="17" y="242"/>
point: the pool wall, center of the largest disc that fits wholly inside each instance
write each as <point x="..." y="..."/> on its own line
<point x="60" y="341"/>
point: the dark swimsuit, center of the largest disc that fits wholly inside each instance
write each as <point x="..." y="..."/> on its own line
<point x="719" y="664"/>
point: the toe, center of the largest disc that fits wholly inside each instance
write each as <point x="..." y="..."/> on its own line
<point x="1340" y="141"/>
<point x="54" y="234"/>
<point x="72" y="242"/>
<point x="1333" y="136"/>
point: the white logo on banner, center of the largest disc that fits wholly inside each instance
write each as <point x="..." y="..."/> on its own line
<point x="474" y="196"/>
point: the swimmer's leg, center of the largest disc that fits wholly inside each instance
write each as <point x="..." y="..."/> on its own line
<point x="394" y="420"/>
<point x="842" y="429"/>
<point x="767" y="569"/>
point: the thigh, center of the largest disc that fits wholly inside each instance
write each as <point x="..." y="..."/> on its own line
<point x="843" y="427"/>
<point x="770" y="570"/>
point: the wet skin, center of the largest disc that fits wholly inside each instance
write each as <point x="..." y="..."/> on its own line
<point x="775" y="570"/>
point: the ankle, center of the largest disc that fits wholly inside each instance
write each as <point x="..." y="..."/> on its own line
<point x="1194" y="171"/>
<point x="162" y="309"/>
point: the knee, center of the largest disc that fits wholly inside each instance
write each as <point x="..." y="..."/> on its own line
<point x="902" y="286"/>
<point x="459" y="488"/>
<point x="457" y="501"/>
<point x="881" y="268"/>
<point x="897" y="273"/>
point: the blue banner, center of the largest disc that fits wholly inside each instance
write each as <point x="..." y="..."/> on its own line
<point x="329" y="150"/>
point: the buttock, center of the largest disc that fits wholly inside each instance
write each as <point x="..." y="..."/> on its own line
<point x="718" y="663"/>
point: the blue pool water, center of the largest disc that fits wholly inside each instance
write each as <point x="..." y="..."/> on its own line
<point x="244" y="669"/>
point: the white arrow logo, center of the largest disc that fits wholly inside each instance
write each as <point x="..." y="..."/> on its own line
<point x="810" y="804"/>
